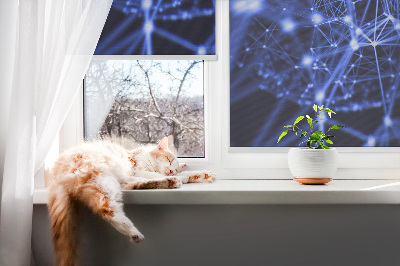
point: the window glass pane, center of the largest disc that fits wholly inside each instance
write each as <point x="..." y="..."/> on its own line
<point x="288" y="55"/>
<point x="150" y="27"/>
<point x="144" y="101"/>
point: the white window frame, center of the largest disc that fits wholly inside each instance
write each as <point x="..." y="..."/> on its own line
<point x="245" y="163"/>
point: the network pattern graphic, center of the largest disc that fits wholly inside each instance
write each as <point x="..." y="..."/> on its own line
<point x="158" y="27"/>
<point x="337" y="53"/>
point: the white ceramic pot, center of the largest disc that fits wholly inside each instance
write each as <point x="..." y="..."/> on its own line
<point x="312" y="166"/>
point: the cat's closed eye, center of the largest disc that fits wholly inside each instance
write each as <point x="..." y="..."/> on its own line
<point x="165" y="158"/>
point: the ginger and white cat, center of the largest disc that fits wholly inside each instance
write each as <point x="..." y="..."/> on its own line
<point x="94" y="174"/>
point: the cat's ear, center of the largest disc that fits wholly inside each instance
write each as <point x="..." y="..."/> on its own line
<point x="171" y="146"/>
<point x="163" y="145"/>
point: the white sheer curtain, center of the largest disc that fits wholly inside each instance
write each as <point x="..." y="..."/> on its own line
<point x="55" y="40"/>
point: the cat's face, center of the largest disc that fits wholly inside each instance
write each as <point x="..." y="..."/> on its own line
<point x="165" y="162"/>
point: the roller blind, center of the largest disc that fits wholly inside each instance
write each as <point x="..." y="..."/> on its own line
<point x="288" y="55"/>
<point x="159" y="27"/>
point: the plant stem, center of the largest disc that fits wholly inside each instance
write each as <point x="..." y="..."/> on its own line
<point x="302" y="130"/>
<point x="316" y="119"/>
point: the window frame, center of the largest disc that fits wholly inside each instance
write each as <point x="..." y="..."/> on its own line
<point x="243" y="163"/>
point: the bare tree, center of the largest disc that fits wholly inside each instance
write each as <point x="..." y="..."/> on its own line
<point x="145" y="109"/>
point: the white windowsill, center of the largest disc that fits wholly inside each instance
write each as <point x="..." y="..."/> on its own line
<point x="264" y="192"/>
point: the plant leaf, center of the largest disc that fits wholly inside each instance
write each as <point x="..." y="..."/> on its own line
<point x="329" y="141"/>
<point x="309" y="120"/>
<point x="309" y="143"/>
<point x="298" y="120"/>
<point x="303" y="134"/>
<point x="316" y="135"/>
<point x="283" y="134"/>
<point x="322" y="146"/>
<point x="329" y="111"/>
<point x="327" y="137"/>
<point x="315" y="107"/>
<point x="336" y="127"/>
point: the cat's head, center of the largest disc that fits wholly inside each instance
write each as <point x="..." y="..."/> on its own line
<point x="165" y="162"/>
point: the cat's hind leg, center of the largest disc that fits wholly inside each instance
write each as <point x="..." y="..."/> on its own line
<point x="163" y="182"/>
<point x="103" y="195"/>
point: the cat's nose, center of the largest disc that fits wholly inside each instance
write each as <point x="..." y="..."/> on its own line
<point x="171" y="172"/>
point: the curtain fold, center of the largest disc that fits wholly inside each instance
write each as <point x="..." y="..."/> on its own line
<point x="55" y="41"/>
<point x="8" y="24"/>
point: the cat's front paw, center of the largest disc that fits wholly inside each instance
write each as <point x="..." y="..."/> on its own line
<point x="210" y="177"/>
<point x="182" y="167"/>
<point x="137" y="237"/>
<point x="201" y="176"/>
<point x="174" y="182"/>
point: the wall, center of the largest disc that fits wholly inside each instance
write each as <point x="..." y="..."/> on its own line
<point x="237" y="235"/>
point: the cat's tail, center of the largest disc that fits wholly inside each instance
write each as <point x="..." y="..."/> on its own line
<point x="62" y="212"/>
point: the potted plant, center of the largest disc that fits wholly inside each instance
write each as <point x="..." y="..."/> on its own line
<point x="315" y="163"/>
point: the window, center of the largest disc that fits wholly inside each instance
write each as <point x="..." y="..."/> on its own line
<point x="142" y="101"/>
<point x="237" y="162"/>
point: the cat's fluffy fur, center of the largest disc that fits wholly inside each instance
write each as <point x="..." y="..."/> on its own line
<point x="94" y="174"/>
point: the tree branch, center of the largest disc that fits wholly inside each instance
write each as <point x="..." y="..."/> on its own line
<point x="181" y="83"/>
<point x="150" y="89"/>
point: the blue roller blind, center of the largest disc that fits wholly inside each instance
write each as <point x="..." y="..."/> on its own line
<point x="159" y="27"/>
<point x="288" y="55"/>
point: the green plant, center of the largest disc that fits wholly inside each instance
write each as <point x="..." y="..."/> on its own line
<point x="316" y="139"/>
